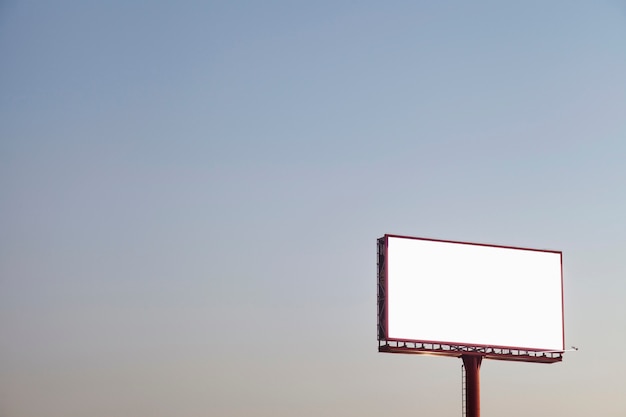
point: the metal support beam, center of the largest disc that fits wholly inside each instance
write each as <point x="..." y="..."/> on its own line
<point x="472" y="384"/>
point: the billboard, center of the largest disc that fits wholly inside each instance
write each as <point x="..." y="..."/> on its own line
<point x="469" y="295"/>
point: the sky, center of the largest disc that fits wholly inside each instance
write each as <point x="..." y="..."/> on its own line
<point x="191" y="193"/>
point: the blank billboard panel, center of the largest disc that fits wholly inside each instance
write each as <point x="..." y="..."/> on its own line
<point x="472" y="294"/>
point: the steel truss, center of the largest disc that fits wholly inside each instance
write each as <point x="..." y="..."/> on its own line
<point x="392" y="346"/>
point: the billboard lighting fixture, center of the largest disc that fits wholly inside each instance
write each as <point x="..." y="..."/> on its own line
<point x="571" y="349"/>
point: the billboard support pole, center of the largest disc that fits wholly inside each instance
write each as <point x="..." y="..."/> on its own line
<point x="472" y="384"/>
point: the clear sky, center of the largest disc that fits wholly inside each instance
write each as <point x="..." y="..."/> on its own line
<point x="191" y="192"/>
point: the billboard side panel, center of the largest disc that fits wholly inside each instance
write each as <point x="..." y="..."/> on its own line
<point x="382" y="288"/>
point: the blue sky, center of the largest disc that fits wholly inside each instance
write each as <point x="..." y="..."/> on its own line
<point x="191" y="192"/>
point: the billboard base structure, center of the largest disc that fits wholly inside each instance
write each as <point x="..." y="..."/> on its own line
<point x="458" y="351"/>
<point x="472" y="357"/>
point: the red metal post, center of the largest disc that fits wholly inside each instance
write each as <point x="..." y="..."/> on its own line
<point x="472" y="384"/>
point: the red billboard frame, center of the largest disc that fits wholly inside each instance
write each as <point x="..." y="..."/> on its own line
<point x="454" y="349"/>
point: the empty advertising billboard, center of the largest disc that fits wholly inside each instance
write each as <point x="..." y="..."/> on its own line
<point x="469" y="294"/>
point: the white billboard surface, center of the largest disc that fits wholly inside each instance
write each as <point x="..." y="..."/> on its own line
<point x="471" y="294"/>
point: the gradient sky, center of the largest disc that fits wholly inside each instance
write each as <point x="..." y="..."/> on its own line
<point x="191" y="192"/>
